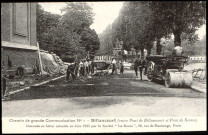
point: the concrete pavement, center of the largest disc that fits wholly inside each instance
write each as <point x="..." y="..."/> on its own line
<point x="122" y="95"/>
<point x="199" y="86"/>
<point x="106" y="106"/>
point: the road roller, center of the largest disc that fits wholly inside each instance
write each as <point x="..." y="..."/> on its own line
<point x="169" y="69"/>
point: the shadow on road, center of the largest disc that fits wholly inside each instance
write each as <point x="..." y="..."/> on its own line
<point x="87" y="103"/>
<point x="99" y="86"/>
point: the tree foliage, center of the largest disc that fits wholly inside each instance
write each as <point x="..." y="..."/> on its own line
<point x="179" y="17"/>
<point x="67" y="35"/>
<point x="141" y="23"/>
<point x="196" y="48"/>
<point x="46" y="28"/>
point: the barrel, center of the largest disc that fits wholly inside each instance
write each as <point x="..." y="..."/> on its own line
<point x="178" y="79"/>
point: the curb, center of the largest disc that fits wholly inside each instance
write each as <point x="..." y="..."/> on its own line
<point x="26" y="88"/>
<point x="199" y="86"/>
<point x="198" y="89"/>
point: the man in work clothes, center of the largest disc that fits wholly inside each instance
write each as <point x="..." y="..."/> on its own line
<point x="121" y="67"/>
<point x="136" y="63"/>
<point x="114" y="66"/>
<point x="81" y="68"/>
<point x="70" y="70"/>
<point x="92" y="67"/>
<point x="86" y="64"/>
<point x="141" y="65"/>
<point x="177" y="51"/>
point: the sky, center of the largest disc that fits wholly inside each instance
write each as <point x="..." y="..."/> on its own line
<point x="105" y="14"/>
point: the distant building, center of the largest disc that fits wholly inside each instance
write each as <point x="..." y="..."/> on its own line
<point x="119" y="53"/>
<point x="18" y="35"/>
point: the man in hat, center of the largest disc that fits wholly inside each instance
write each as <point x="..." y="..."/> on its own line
<point x="90" y="67"/>
<point x="136" y="63"/>
<point x="71" y="71"/>
<point x="114" y="66"/>
<point x="141" y="65"/>
<point x="86" y="64"/>
<point x="121" y="67"/>
<point x="81" y="68"/>
<point x="177" y="51"/>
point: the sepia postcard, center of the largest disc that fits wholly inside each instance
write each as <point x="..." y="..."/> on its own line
<point x="103" y="67"/>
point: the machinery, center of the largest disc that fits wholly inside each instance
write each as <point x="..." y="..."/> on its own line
<point x="101" y="68"/>
<point x="169" y="69"/>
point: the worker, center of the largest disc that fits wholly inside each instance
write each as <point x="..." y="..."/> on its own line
<point x="141" y="65"/>
<point x="81" y="68"/>
<point x="71" y="71"/>
<point x="178" y="51"/>
<point x="121" y="67"/>
<point x="136" y="63"/>
<point x="114" y="66"/>
<point x="76" y="70"/>
<point x="86" y="64"/>
<point x="90" y="67"/>
<point x="6" y="95"/>
<point x="145" y="67"/>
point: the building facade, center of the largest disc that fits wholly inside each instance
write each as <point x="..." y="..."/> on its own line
<point x="18" y="36"/>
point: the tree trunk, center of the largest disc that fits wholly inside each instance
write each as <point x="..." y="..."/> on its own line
<point x="136" y="55"/>
<point x="142" y="51"/>
<point x="158" y="47"/>
<point x="177" y="35"/>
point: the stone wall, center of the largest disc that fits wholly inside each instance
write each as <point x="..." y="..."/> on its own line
<point x="18" y="35"/>
<point x="18" y="57"/>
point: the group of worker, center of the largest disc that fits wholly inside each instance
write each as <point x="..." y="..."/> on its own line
<point x="80" y="69"/>
<point x="117" y="65"/>
<point x="138" y="64"/>
<point x="86" y="67"/>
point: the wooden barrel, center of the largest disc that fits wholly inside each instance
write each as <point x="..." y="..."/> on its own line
<point x="178" y="79"/>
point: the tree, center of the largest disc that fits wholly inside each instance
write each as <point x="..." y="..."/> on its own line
<point x="67" y="35"/>
<point x="76" y="21"/>
<point x="46" y="28"/>
<point x="136" y="17"/>
<point x="106" y="44"/>
<point x="90" y="40"/>
<point x="141" y="23"/>
<point x="179" y="17"/>
<point x="77" y="16"/>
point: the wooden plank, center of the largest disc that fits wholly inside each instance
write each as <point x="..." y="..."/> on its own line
<point x="39" y="56"/>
